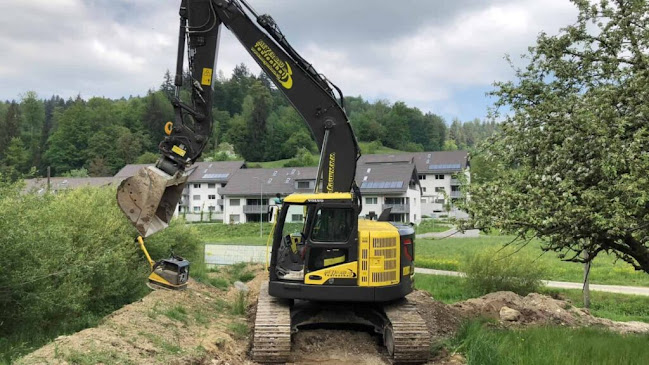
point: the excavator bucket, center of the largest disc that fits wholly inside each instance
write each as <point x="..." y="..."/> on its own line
<point x="149" y="198"/>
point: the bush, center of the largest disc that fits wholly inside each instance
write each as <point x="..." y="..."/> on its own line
<point x="494" y="270"/>
<point x="68" y="260"/>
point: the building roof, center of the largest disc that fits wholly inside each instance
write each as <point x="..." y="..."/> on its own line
<point x="385" y="178"/>
<point x="217" y="171"/>
<point x="39" y="185"/>
<point x="426" y="162"/>
<point x="273" y="181"/>
<point x="130" y="170"/>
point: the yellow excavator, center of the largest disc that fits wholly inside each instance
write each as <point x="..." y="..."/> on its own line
<point x="337" y="268"/>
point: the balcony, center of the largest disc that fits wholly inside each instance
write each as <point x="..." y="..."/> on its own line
<point x="397" y="208"/>
<point x="455" y="182"/>
<point x="456" y="194"/>
<point x="255" y="209"/>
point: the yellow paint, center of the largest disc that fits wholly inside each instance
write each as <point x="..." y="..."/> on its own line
<point x="344" y="271"/>
<point x="168" y="128"/>
<point x="303" y="198"/>
<point x="179" y="151"/>
<point x="334" y="260"/>
<point x="379" y="253"/>
<point x="276" y="66"/>
<point x="140" y="240"/>
<point x="206" y="79"/>
<point x="331" y="172"/>
<point x="406" y="270"/>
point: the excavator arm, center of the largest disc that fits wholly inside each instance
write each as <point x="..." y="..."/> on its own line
<point x="150" y="197"/>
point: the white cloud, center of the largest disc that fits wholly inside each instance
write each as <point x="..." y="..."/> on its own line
<point x="120" y="47"/>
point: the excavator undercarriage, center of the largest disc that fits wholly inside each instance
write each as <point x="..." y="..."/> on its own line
<point x="402" y="329"/>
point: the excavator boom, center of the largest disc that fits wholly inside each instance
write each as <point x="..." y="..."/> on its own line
<point x="150" y="197"/>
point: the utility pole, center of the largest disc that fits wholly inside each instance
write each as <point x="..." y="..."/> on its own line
<point x="261" y="206"/>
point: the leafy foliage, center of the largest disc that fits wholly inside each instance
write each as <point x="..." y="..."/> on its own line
<point x="493" y="270"/>
<point x="69" y="259"/>
<point x="572" y="155"/>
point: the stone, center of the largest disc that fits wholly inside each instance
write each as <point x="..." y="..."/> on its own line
<point x="509" y="314"/>
<point x="241" y="286"/>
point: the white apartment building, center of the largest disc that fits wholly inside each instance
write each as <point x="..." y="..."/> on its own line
<point x="437" y="173"/>
<point x="394" y="186"/>
<point x="250" y="192"/>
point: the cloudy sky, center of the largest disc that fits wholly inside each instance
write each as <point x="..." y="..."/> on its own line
<point x="439" y="55"/>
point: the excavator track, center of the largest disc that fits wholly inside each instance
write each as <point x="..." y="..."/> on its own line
<point x="272" y="338"/>
<point x="406" y="337"/>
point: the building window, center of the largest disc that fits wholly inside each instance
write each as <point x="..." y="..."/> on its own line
<point x="197" y="197"/>
<point x="395" y="201"/>
<point x="296" y="217"/>
<point x="455" y="188"/>
<point x="211" y="186"/>
<point x="440" y="189"/>
<point x="234" y="218"/>
<point x="211" y="208"/>
<point x="371" y="200"/>
<point x="439" y="201"/>
<point x="303" y="184"/>
<point x="422" y="177"/>
<point x="222" y="185"/>
<point x="423" y="200"/>
<point x="423" y="188"/>
<point x="234" y="203"/>
<point x="256" y="201"/>
<point x="211" y="197"/>
<point x="197" y="209"/>
<point x="439" y="177"/>
<point x="180" y="209"/>
<point x="197" y="186"/>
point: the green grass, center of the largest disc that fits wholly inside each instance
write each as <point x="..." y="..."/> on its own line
<point x="365" y="149"/>
<point x="603" y="271"/>
<point x="238" y="330"/>
<point x="618" y="307"/>
<point x="485" y="345"/>
<point x="177" y="313"/>
<point x="93" y="356"/>
<point x="432" y="225"/>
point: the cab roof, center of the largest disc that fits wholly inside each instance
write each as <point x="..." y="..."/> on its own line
<point x="303" y="198"/>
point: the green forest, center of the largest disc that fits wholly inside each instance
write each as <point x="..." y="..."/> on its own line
<point x="98" y="136"/>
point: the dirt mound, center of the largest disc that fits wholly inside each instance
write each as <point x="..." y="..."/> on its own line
<point x="194" y="326"/>
<point x="205" y="325"/>
<point x="539" y="309"/>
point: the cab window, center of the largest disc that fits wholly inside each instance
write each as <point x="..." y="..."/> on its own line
<point x="332" y="225"/>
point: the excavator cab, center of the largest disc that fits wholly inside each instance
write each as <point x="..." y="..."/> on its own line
<point x="314" y="234"/>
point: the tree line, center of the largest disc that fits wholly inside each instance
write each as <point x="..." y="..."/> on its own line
<point x="96" y="137"/>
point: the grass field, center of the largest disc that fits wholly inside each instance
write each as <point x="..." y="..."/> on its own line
<point x="450" y="253"/>
<point x="483" y="344"/>
<point x="365" y="147"/>
<point x="618" y="307"/>
<point x="432" y="225"/>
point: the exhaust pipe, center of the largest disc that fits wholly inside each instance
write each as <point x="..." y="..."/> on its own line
<point x="150" y="198"/>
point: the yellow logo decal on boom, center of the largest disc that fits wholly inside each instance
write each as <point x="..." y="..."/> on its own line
<point x="280" y="69"/>
<point x="331" y="171"/>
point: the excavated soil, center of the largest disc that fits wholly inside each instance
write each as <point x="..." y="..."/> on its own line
<point x="197" y="326"/>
